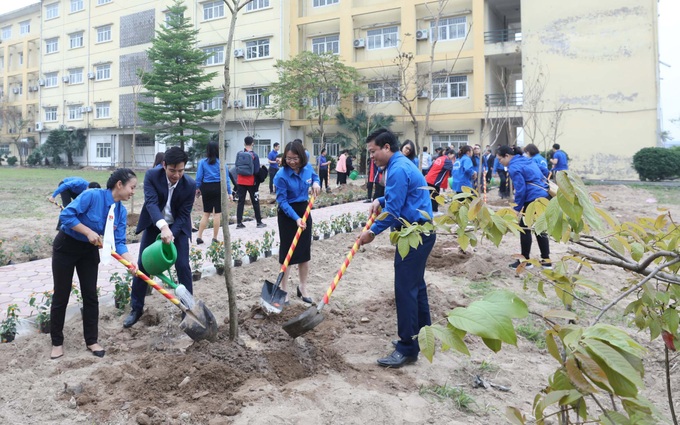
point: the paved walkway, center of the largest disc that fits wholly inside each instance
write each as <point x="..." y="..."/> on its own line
<point x="19" y="281"/>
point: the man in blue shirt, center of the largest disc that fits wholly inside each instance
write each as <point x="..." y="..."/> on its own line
<point x="273" y="166"/>
<point x="69" y="189"/>
<point x="405" y="197"/>
<point x="559" y="160"/>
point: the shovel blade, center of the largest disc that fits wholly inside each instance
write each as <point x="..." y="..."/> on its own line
<point x="304" y="322"/>
<point x="199" y="323"/>
<point x="272" y="298"/>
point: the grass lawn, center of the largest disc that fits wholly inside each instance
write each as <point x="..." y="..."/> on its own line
<point x="663" y="194"/>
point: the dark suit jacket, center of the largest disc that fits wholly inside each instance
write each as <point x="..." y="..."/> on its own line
<point x="155" y="197"/>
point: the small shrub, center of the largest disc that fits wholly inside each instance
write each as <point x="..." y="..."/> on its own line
<point x="656" y="164"/>
<point x="35" y="158"/>
<point x="12" y="161"/>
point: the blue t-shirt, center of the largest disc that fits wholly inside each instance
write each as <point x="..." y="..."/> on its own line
<point x="272" y="157"/>
<point x="542" y="164"/>
<point x="91" y="208"/>
<point x="210" y="173"/>
<point x="528" y="181"/>
<point x="406" y="194"/>
<point x="462" y="173"/>
<point x="561" y="158"/>
<point x="321" y="159"/>
<point x="75" y="184"/>
<point x="293" y="187"/>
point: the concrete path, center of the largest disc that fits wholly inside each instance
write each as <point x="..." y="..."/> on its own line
<point x="19" y="281"/>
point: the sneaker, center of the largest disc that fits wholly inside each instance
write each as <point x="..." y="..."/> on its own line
<point x="240" y="226"/>
<point x="546" y="263"/>
<point x="260" y="225"/>
<point x="517" y="263"/>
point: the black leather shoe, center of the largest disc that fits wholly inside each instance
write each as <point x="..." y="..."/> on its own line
<point x="132" y="318"/>
<point x="396" y="360"/>
<point x="308" y="300"/>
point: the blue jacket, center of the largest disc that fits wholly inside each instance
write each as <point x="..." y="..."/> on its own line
<point x="561" y="158"/>
<point x="462" y="173"/>
<point x="91" y="208"/>
<point x="528" y="181"/>
<point x="497" y="166"/>
<point x="293" y="187"/>
<point x="542" y="164"/>
<point x="75" y="184"/>
<point x="406" y="194"/>
<point x="210" y="173"/>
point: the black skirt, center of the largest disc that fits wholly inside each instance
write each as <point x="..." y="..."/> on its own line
<point x="212" y="199"/>
<point x="287" y="229"/>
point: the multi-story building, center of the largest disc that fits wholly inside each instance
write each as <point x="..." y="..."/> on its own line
<point x="583" y="74"/>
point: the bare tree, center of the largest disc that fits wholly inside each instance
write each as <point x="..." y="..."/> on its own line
<point x="18" y="124"/>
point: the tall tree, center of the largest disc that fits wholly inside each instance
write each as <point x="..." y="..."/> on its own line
<point x="315" y="83"/>
<point x="176" y="82"/>
<point x="73" y="143"/>
<point x="55" y="144"/>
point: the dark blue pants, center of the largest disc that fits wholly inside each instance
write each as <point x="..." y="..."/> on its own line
<point x="410" y="293"/>
<point x="181" y="266"/>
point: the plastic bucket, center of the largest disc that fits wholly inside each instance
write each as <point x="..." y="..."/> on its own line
<point x="354" y="174"/>
<point x="159" y="257"/>
<point x="450" y="182"/>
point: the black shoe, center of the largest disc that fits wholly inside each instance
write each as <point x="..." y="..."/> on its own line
<point x="132" y="318"/>
<point x="308" y="300"/>
<point x="261" y="225"/>
<point x="199" y="241"/>
<point x="397" y="360"/>
<point x="240" y="226"/>
<point x="518" y="262"/>
<point x="98" y="353"/>
<point x="215" y="241"/>
<point x="367" y="201"/>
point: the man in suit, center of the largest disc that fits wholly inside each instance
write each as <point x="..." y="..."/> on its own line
<point x="168" y="200"/>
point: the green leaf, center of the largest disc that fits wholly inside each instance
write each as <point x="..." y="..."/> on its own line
<point x="670" y="319"/>
<point x="514" y="416"/>
<point x="509" y="303"/>
<point x="576" y="376"/>
<point x="620" y="384"/>
<point x="551" y="344"/>
<point x="637" y="250"/>
<point x="426" y="342"/>
<point x="616" y="337"/>
<point x="561" y="314"/>
<point x="614" y="360"/>
<point x="451" y="338"/>
<point x="403" y="247"/>
<point x="592" y="370"/>
<point x="493" y="344"/>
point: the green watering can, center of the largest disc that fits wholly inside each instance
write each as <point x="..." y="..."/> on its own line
<point x="354" y="174"/>
<point x="159" y="257"/>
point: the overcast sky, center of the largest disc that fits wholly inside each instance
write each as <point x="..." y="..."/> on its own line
<point x="669" y="34"/>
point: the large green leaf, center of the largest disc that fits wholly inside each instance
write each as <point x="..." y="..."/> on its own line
<point x="616" y="337"/>
<point x="493" y="344"/>
<point x="514" y="416"/>
<point x="614" y="360"/>
<point x="426" y="341"/>
<point x="451" y="338"/>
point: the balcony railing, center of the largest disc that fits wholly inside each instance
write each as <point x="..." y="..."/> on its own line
<point x="501" y="36"/>
<point x="503" y="99"/>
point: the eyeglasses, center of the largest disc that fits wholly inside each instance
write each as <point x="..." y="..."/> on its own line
<point x="296" y="159"/>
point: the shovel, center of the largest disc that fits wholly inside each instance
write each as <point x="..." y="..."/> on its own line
<point x="272" y="298"/>
<point x="312" y="317"/>
<point x="199" y="322"/>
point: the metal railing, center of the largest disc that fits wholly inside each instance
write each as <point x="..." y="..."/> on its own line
<point x="501" y="36"/>
<point x="503" y="99"/>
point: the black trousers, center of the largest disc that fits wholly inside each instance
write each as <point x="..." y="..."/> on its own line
<point x="341" y="178"/>
<point x="433" y="195"/>
<point x="272" y="173"/>
<point x="323" y="176"/>
<point x="69" y="254"/>
<point x="503" y="190"/>
<point x="379" y="190"/>
<point x="254" y="198"/>
<point x="525" y="240"/>
<point x="369" y="190"/>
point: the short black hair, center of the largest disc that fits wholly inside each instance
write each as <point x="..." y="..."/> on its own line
<point x="94" y="185"/>
<point x="556" y="146"/>
<point x="276" y="144"/>
<point x="297" y="149"/>
<point x="382" y="137"/>
<point x="122" y="175"/>
<point x="175" y="155"/>
<point x="248" y="141"/>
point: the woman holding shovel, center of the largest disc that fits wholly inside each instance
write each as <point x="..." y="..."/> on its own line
<point x="95" y="212"/>
<point x="292" y="195"/>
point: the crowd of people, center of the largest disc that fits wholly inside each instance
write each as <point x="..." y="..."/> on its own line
<point x="396" y="179"/>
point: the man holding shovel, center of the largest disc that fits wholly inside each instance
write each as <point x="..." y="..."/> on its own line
<point x="405" y="198"/>
<point x="168" y="200"/>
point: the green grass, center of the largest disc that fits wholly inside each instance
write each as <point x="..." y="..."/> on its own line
<point x="478" y="288"/>
<point x="488" y="367"/>
<point x="462" y="400"/>
<point x="532" y="332"/>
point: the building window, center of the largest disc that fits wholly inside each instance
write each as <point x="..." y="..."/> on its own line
<point x="99" y="2"/>
<point x="451" y="28"/>
<point x="329" y="98"/>
<point x="24" y="27"/>
<point x="256" y="98"/>
<point x="103" y="110"/>
<point x="214" y="104"/>
<point x="449" y="87"/>
<point x="213" y="10"/>
<point x="319" y="3"/>
<point x="383" y="38"/>
<point x="20" y="55"/>
<point x="75" y="76"/>
<point x="77" y="5"/>
<point x="332" y="149"/>
<point x="52" y="11"/>
<point x="103" y="72"/>
<point x="383" y="91"/>
<point x="75" y="112"/>
<point x="257" y="49"/>
<point x="75" y="40"/>
<point x="262" y="147"/>
<point x="51" y="45"/>
<point x="51" y="79"/>
<point x="104" y="34"/>
<point x="51" y="113"/>
<point x="216" y="55"/>
<point x="169" y="16"/>
<point x="257" y="5"/>
<point x="456" y="141"/>
<point x="7" y="32"/>
<point x="327" y="44"/>
<point x="103" y="150"/>
<point x="4" y="149"/>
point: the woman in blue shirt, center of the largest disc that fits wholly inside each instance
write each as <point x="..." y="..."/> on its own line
<point x="292" y="183"/>
<point x="530" y="184"/>
<point x="208" y="186"/>
<point x="531" y="151"/>
<point x="76" y="246"/>
<point x="463" y="171"/>
<point x="408" y="149"/>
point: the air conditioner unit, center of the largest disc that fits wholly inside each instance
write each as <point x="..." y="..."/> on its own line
<point x="88" y="109"/>
<point x="360" y="99"/>
<point x="38" y="126"/>
<point x="90" y="75"/>
<point x="422" y="34"/>
<point x="64" y="78"/>
<point x="30" y="88"/>
<point x="239" y="53"/>
<point x="35" y="88"/>
<point x="423" y="94"/>
<point x="359" y="43"/>
<point x="41" y="82"/>
<point x="238" y="103"/>
<point x="15" y="90"/>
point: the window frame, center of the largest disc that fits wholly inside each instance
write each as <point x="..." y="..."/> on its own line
<point x="6" y="32"/>
<point x="51" y="45"/>
<point x="52" y="9"/>
<point x="254" y="47"/>
<point x="51" y="79"/>
<point x="256" y="98"/>
<point x="101" y="2"/>
<point x="216" y="53"/>
<point x="100" y="108"/>
<point x="76" y="36"/>
<point x="332" y="149"/>
<point x="326" y="43"/>
<point x="75" y="2"/>
<point x="75" y="113"/>
<point x="380" y="34"/>
<point x="251" y="8"/>
<point x="101" y="148"/>
<point x="213" y="7"/>
<point x="382" y="91"/>
<point x="102" y="31"/>
<point x="104" y="69"/>
<point x="23" y="25"/>
<point x="323" y="3"/>
<point x="463" y="140"/>
<point x="449" y="82"/>
<point x="214" y="104"/>
<point x="449" y="27"/>
<point x="73" y="74"/>
<point x="51" y="113"/>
